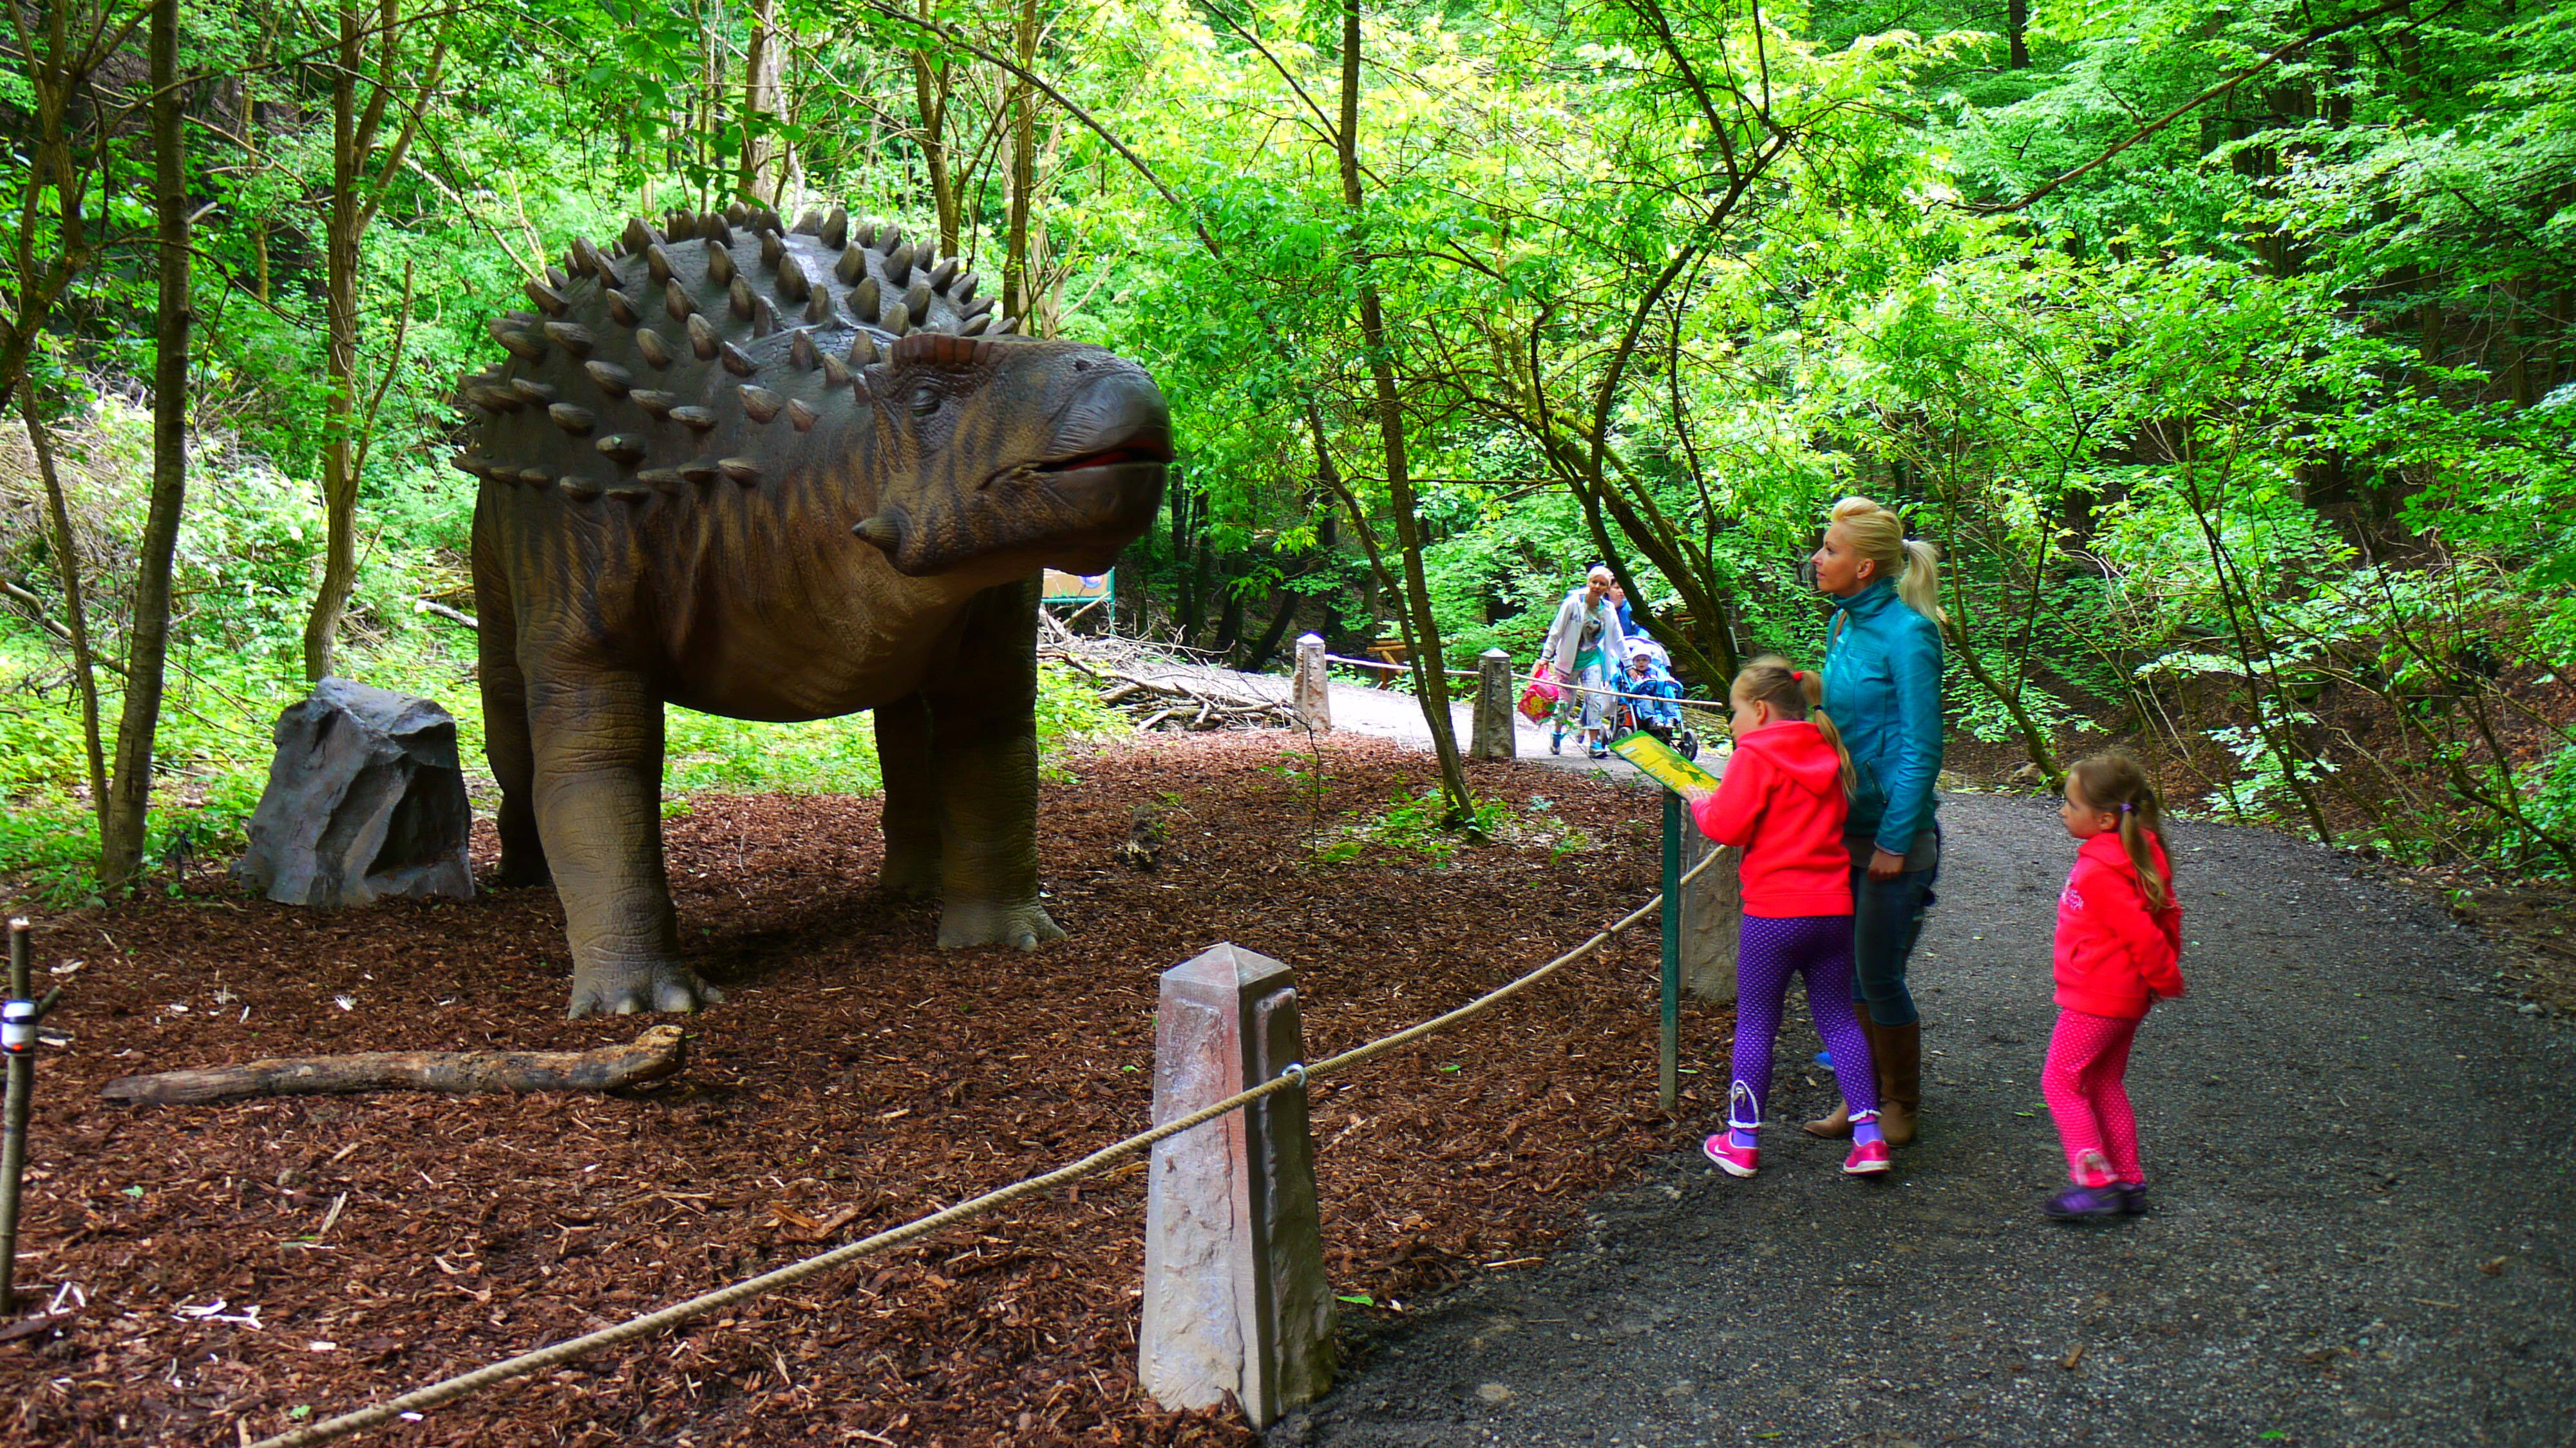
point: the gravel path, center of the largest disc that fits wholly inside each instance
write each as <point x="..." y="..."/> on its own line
<point x="2362" y="1232"/>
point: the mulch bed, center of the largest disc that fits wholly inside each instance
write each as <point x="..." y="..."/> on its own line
<point x="855" y="1078"/>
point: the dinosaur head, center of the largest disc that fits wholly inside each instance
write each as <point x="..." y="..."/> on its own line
<point x="1007" y="455"/>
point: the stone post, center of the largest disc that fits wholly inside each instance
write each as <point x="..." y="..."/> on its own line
<point x="1235" y="1299"/>
<point x="1313" y="693"/>
<point x="1712" y="905"/>
<point x="1495" y="736"/>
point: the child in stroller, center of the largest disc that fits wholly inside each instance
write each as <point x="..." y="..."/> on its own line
<point x="1658" y="712"/>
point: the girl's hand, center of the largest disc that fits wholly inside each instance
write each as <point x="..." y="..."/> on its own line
<point x="1692" y="794"/>
<point x="1885" y="865"/>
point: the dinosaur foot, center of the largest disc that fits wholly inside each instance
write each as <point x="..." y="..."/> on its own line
<point x="630" y="990"/>
<point x="1021" y="927"/>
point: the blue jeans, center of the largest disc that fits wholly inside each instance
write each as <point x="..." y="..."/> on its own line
<point x="1887" y="917"/>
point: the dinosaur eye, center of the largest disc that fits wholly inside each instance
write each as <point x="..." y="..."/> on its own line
<point x="925" y="399"/>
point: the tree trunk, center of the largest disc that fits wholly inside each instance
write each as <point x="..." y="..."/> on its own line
<point x="763" y="65"/>
<point x="67" y="567"/>
<point x="130" y="792"/>
<point x="2017" y="32"/>
<point x="340" y="323"/>
<point x="1422" y="630"/>
<point x="1017" y="292"/>
<point x="930" y="96"/>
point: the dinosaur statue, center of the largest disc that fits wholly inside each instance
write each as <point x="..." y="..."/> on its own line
<point x="780" y="472"/>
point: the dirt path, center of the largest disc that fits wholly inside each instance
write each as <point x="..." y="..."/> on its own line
<point x="2362" y="1235"/>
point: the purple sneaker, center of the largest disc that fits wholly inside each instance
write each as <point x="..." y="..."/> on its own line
<point x="2133" y="1197"/>
<point x="2084" y="1204"/>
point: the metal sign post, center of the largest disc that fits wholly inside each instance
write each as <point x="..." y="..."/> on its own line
<point x="1669" y="1063"/>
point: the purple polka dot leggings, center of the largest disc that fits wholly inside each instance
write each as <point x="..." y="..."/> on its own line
<point x="1767" y="953"/>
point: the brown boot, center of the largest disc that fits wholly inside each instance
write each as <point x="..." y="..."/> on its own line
<point x="1898" y="1053"/>
<point x="1838" y="1125"/>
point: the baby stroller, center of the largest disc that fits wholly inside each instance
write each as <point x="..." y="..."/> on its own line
<point x="1659" y="712"/>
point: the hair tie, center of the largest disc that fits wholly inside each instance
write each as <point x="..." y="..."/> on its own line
<point x="2127" y="808"/>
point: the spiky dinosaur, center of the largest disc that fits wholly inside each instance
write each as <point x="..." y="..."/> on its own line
<point x="780" y="472"/>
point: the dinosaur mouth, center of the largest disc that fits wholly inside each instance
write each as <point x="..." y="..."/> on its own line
<point x="1121" y="456"/>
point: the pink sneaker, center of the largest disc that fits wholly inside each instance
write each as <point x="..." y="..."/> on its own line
<point x="1867" y="1158"/>
<point x="1735" y="1160"/>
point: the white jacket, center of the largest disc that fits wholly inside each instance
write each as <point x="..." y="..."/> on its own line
<point x="1565" y="636"/>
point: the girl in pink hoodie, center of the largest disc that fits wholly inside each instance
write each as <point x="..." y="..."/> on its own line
<point x="1784" y="799"/>
<point x="2119" y="950"/>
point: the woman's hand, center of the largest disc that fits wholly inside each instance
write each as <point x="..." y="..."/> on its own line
<point x="1885" y="865"/>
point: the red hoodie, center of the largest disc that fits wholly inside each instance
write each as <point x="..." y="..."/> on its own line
<point x="2114" y="958"/>
<point x="1782" y="800"/>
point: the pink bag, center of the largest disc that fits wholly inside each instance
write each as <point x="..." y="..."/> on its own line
<point x="1539" y="700"/>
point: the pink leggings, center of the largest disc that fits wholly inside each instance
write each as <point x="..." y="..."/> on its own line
<point x="2087" y="1056"/>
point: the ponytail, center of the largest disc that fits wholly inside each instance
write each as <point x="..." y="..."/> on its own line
<point x="1878" y="534"/>
<point x="1794" y="694"/>
<point x="2117" y="782"/>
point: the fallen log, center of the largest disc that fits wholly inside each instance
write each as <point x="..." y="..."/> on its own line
<point x="653" y="1055"/>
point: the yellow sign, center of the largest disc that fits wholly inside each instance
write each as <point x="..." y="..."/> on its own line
<point x="1660" y="763"/>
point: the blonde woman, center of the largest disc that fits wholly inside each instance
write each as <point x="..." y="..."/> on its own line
<point x="1883" y="687"/>
<point x="1584" y="648"/>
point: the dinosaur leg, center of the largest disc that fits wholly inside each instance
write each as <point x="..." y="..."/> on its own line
<point x="598" y="805"/>
<point x="984" y="764"/>
<point x="506" y="741"/>
<point x="911" y="801"/>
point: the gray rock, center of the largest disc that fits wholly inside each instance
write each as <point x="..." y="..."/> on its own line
<point x="364" y="801"/>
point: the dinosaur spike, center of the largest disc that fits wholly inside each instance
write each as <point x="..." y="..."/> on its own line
<point x="836" y="228"/>
<point x="555" y="278"/>
<point x="974" y="326"/>
<point x="1010" y="327"/>
<point x="473" y="465"/>
<point x="702" y="337"/>
<point x="624" y="447"/>
<point x="737" y="361"/>
<point x="720" y="267"/>
<point x="738" y="214"/>
<point x="768" y="219"/>
<point x="719" y="236"/>
<point x="764" y="317"/>
<point x="658" y="262"/>
<point x="836" y="373"/>
<point x="614" y="380"/>
<point x="657" y="403"/>
<point x="890" y="238"/>
<point x="964" y="291"/>
<point x="695" y="419"/>
<point x="575" y="337"/>
<point x="638" y="236"/>
<point x="660" y="480"/>
<point x="655" y="350"/>
<point x="573" y="261"/>
<point x="525" y="346"/>
<point x="494" y="399"/>
<point x="574" y="420"/>
<point x="534" y="477"/>
<point x="548" y="299"/>
<point x="740" y="295"/>
<point x="761" y="403"/>
<point x="802" y="416"/>
<point x="741" y="470"/>
<point x="917" y="300"/>
<point x="800" y="351"/>
<point x="863" y="350"/>
<point x="532" y="390"/>
<point x="863" y="299"/>
<point x="622" y="307"/>
<point x="587" y="260"/>
<point x="791" y="279"/>
<point x="852" y="265"/>
<point x="943" y="274"/>
<point x="809" y="222"/>
<point x="898" y="319"/>
<point x="978" y="309"/>
<point x="679" y="223"/>
<point x="580" y="489"/>
<point x="520" y="319"/>
<point x="898" y="265"/>
<point x="879" y="530"/>
<point x="818" y="306"/>
<point x="772" y="250"/>
<point x="630" y="493"/>
<point x="677" y="301"/>
<point x="701" y="471"/>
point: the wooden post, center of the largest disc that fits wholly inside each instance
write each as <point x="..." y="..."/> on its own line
<point x="1712" y="908"/>
<point x="1668" y="1074"/>
<point x="20" y="1044"/>
<point x="1313" y="692"/>
<point x="1496" y="736"/>
<point x="1236" y="1304"/>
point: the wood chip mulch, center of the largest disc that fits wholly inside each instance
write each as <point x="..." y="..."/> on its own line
<point x="232" y="1270"/>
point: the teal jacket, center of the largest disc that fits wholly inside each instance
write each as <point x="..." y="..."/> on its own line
<point x="1883" y="689"/>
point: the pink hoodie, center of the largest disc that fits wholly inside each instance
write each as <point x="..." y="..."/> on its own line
<point x="1782" y="800"/>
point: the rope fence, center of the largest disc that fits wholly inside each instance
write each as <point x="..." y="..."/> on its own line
<point x="1383" y="666"/>
<point x="448" y="1390"/>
